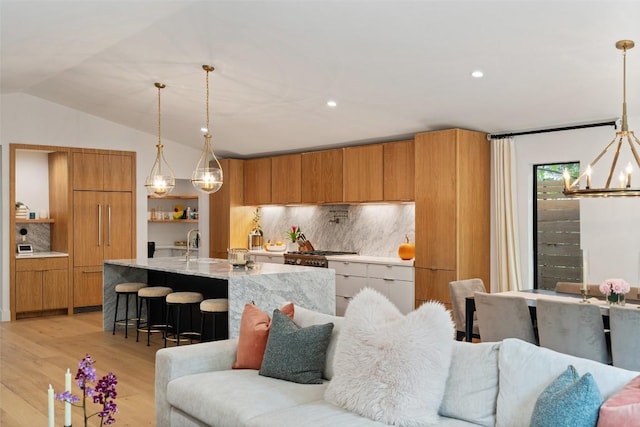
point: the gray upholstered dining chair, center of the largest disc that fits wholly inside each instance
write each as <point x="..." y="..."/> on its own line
<point x="460" y="290"/>
<point x="572" y="328"/>
<point x="624" y="323"/>
<point x="503" y="316"/>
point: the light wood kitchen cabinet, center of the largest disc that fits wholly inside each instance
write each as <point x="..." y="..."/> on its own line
<point x="286" y="179"/>
<point x="452" y="190"/>
<point x="363" y="173"/>
<point x="322" y="176"/>
<point x="104" y="212"/>
<point x="229" y="219"/>
<point x="399" y="171"/>
<point x="257" y="181"/>
<point x="42" y="284"/>
<point x="102" y="171"/>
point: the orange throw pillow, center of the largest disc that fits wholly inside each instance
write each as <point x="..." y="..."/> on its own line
<point x="254" y="332"/>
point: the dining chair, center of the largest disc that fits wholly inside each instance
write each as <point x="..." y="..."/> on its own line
<point x="572" y="328"/>
<point x="459" y="291"/>
<point x="503" y="316"/>
<point x="624" y="323"/>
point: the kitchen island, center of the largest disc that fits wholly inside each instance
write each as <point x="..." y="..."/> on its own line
<point x="267" y="285"/>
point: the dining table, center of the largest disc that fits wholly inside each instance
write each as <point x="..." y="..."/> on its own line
<point x="532" y="296"/>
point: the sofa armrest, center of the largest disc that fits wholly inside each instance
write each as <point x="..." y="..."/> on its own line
<point x="175" y="362"/>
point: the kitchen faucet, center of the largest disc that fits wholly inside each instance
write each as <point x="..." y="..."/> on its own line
<point x="198" y="237"/>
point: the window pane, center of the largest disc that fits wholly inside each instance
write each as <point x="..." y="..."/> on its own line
<point x="558" y="257"/>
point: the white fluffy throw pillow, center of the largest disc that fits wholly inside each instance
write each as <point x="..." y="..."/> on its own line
<point x="389" y="367"/>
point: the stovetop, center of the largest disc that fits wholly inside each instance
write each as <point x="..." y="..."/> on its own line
<point x="312" y="258"/>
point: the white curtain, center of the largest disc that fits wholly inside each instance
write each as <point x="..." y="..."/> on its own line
<point x="506" y="224"/>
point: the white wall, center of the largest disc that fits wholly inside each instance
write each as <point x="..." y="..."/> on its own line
<point x="29" y="120"/>
<point x="610" y="228"/>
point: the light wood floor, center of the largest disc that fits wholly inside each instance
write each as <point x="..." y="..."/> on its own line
<point x="37" y="352"/>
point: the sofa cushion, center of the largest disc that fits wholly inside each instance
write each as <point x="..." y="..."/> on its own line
<point x="570" y="400"/>
<point x="323" y="414"/>
<point x="294" y="353"/>
<point x="234" y="396"/>
<point x="526" y="370"/>
<point x="472" y="385"/>
<point x="254" y="332"/>
<point x="390" y="367"/>
<point x="305" y="317"/>
<point x="623" y="408"/>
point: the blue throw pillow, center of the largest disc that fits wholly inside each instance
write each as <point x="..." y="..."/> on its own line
<point x="569" y="401"/>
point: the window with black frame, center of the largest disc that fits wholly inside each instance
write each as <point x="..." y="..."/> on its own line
<point x="556" y="234"/>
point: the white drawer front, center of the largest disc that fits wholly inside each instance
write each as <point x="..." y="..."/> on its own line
<point x="274" y="259"/>
<point x="397" y="272"/>
<point x="400" y="292"/>
<point x="348" y="286"/>
<point x="349" y="268"/>
<point x="341" y="304"/>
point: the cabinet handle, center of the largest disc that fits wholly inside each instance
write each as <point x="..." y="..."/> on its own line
<point x="388" y="280"/>
<point x="91" y="271"/>
<point x="99" y="225"/>
<point x="109" y="225"/>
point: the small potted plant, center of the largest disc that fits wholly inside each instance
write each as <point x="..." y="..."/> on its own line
<point x="615" y="290"/>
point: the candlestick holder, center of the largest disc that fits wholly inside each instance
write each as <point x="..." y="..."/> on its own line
<point x="585" y="293"/>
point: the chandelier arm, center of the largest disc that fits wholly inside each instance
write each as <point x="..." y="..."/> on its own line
<point x="614" y="162"/>
<point x="593" y="163"/>
<point x="633" y="148"/>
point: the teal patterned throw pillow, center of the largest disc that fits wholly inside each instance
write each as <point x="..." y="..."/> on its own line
<point x="569" y="401"/>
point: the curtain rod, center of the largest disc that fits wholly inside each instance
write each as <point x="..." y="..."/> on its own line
<point x="530" y="132"/>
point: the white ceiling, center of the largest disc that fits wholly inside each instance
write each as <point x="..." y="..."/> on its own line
<point x="394" y="67"/>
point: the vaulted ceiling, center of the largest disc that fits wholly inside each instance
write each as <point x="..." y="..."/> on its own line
<point x="393" y="67"/>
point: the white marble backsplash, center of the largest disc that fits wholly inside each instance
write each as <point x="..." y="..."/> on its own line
<point x="374" y="230"/>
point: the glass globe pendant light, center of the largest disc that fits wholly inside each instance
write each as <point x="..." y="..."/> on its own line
<point x="161" y="179"/>
<point x="207" y="176"/>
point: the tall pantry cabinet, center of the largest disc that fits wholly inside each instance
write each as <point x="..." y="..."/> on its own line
<point x="104" y="224"/>
<point x="452" y="197"/>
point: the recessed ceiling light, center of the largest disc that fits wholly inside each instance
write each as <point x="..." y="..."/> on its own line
<point x="331" y="103"/>
<point x="477" y="74"/>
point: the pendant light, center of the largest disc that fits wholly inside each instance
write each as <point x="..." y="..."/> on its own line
<point x="621" y="188"/>
<point x="161" y="179"/>
<point x="207" y="176"/>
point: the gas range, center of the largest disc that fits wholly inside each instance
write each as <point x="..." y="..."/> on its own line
<point x="312" y="258"/>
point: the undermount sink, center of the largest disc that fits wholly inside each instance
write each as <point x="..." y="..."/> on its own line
<point x="206" y="260"/>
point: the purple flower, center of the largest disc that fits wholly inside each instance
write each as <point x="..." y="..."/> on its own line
<point x="103" y="394"/>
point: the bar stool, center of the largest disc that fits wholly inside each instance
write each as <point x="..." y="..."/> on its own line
<point x="149" y="295"/>
<point x="127" y="290"/>
<point x="176" y="300"/>
<point x="214" y="307"/>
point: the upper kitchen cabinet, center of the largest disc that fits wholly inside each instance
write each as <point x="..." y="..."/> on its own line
<point x="452" y="190"/>
<point x="230" y="220"/>
<point x="399" y="171"/>
<point x="102" y="171"/>
<point x="257" y="181"/>
<point x="286" y="179"/>
<point x="322" y="176"/>
<point x="363" y="173"/>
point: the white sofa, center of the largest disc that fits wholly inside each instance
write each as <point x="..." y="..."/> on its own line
<point x="488" y="384"/>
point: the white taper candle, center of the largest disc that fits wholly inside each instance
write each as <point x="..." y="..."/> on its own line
<point x="52" y="416"/>
<point x="67" y="405"/>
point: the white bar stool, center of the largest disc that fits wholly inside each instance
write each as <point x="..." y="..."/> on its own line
<point x="213" y="307"/>
<point x="127" y="290"/>
<point x="149" y="295"/>
<point x="177" y="300"/>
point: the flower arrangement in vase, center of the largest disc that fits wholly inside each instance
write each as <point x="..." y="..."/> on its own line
<point x="615" y="290"/>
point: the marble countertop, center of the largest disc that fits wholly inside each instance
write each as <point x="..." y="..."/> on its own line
<point x="367" y="259"/>
<point x="208" y="267"/>
<point x="371" y="260"/>
<point x="42" y="255"/>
